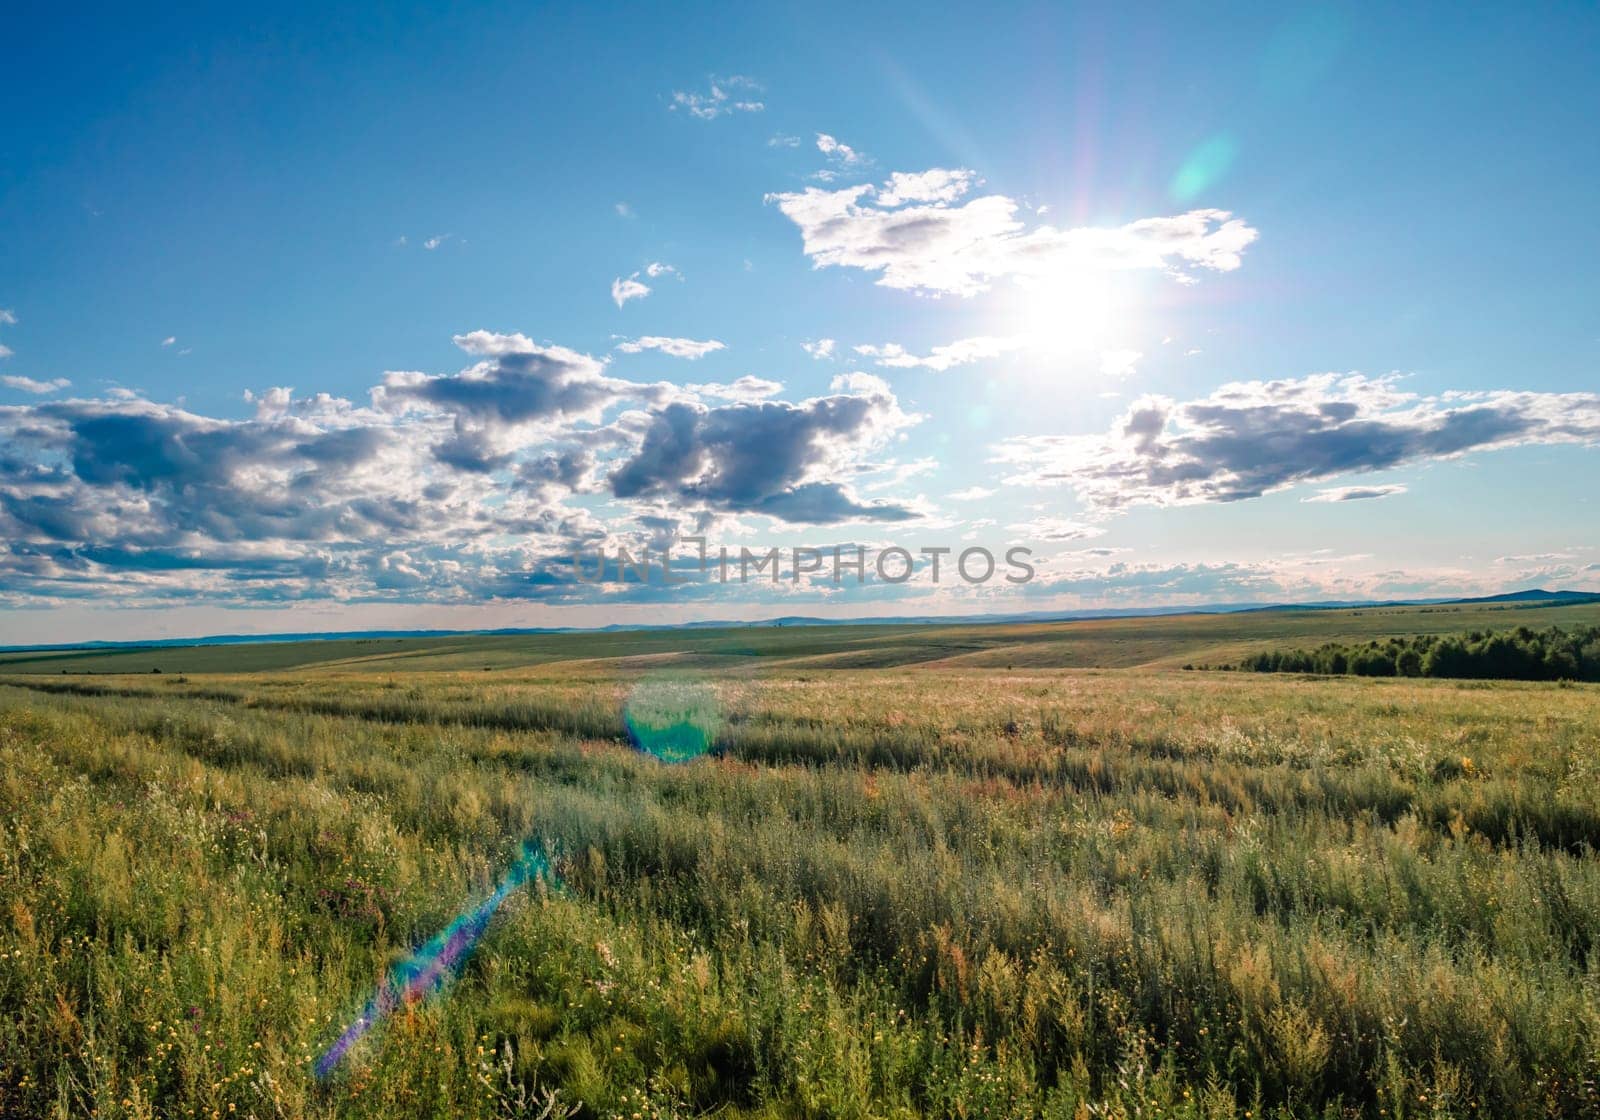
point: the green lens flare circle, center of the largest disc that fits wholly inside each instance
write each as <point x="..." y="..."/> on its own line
<point x="671" y="719"/>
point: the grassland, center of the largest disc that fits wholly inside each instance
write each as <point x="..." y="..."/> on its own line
<point x="909" y="881"/>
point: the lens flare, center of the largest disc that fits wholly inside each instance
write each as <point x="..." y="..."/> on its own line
<point x="431" y="967"/>
<point x="671" y="720"/>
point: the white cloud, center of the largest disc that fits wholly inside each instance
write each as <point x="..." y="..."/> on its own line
<point x="821" y="349"/>
<point x="169" y="340"/>
<point x="733" y="94"/>
<point x="1118" y="363"/>
<point x="437" y="240"/>
<point x="6" y="351"/>
<point x="8" y="317"/>
<point x="1056" y="529"/>
<point x="622" y="290"/>
<point x="842" y="158"/>
<point x="938" y="184"/>
<point x="783" y="140"/>
<point x="937" y="247"/>
<point x="624" y="210"/>
<point x="672" y="347"/>
<point x="858" y="382"/>
<point x="972" y="494"/>
<point x="958" y="353"/>
<point x="657" y="269"/>
<point x="1251" y="438"/>
<point x="1354" y="493"/>
<point x="29" y="385"/>
<point x="746" y="388"/>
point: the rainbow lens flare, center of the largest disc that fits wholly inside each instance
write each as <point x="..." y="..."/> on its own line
<point x="672" y="720"/>
<point x="431" y="967"/>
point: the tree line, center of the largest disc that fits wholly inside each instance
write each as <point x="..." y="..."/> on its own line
<point x="1521" y="654"/>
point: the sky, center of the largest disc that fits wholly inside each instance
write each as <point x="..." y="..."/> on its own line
<point x="332" y="317"/>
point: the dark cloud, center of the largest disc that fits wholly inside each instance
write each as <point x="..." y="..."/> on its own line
<point x="766" y="457"/>
<point x="1251" y="438"/>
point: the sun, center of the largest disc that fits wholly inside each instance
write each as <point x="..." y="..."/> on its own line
<point x="1068" y="312"/>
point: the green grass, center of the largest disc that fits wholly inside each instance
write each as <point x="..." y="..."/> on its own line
<point x="934" y="889"/>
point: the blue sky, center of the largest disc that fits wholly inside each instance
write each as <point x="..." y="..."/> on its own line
<point x="1200" y="304"/>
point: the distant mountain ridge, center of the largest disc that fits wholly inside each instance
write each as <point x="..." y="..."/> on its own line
<point x="1535" y="595"/>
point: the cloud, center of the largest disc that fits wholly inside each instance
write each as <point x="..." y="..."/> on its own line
<point x="8" y="317"/>
<point x="169" y="340"/>
<point x="1119" y="363"/>
<point x="437" y="240"/>
<point x="1251" y="438"/>
<point x="624" y="210"/>
<point x="29" y="385"/>
<point x="1355" y="493"/>
<point x="672" y="347"/>
<point x="783" y="140"/>
<point x="821" y="349"/>
<point x="733" y="94"/>
<point x="940" y="184"/>
<point x="972" y="494"/>
<point x="936" y="247"/>
<point x="842" y="158"/>
<point x="448" y="487"/>
<point x="518" y="382"/>
<point x="959" y="353"/>
<point x="656" y="269"/>
<point x="622" y="290"/>
<point x="746" y="388"/>
<point x="6" y="351"/>
<point x="768" y="457"/>
<point x="1056" y="529"/>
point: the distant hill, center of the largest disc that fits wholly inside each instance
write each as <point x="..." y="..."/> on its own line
<point x="1532" y="597"/>
<point x="1537" y="594"/>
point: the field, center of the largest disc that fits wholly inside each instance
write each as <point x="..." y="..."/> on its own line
<point x="983" y="871"/>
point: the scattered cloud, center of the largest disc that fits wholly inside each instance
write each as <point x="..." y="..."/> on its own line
<point x="622" y="290"/>
<point x="6" y="351"/>
<point x="935" y="247"/>
<point x="972" y="494"/>
<point x="783" y="140"/>
<point x="437" y="240"/>
<point x="657" y="269"/>
<point x="1055" y="529"/>
<point x="842" y="158"/>
<point x="169" y="340"/>
<point x="821" y="349"/>
<point x="1355" y="493"/>
<point x="959" y="353"/>
<point x="29" y="385"/>
<point x="624" y="210"/>
<point x="1251" y="438"/>
<point x="8" y="317"/>
<point x="445" y="487"/>
<point x="733" y="94"/>
<point x="1119" y="363"/>
<point x="672" y="347"/>
<point x="746" y="388"/>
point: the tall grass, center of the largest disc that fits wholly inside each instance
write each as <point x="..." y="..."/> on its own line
<point x="945" y="894"/>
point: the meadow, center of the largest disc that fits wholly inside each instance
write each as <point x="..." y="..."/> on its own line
<point x="940" y="871"/>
